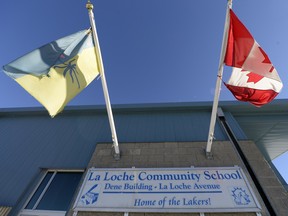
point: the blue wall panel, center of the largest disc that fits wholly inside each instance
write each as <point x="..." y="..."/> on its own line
<point x="30" y="141"/>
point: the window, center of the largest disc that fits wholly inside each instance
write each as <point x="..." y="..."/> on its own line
<point x="54" y="193"/>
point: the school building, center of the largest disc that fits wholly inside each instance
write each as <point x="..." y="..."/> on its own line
<point x="66" y="165"/>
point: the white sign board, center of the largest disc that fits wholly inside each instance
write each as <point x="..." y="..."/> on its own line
<point x="166" y="190"/>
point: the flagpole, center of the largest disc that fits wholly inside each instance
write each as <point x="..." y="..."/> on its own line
<point x="218" y="83"/>
<point x="89" y="7"/>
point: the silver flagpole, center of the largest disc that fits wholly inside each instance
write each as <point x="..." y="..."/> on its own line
<point x="218" y="82"/>
<point x="89" y="7"/>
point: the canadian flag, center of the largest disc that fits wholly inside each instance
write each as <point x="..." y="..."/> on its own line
<point x="254" y="79"/>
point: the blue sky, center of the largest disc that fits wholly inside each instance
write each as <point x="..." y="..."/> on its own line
<point x="153" y="50"/>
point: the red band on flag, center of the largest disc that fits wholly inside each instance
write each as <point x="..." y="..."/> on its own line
<point x="240" y="42"/>
<point x="255" y="96"/>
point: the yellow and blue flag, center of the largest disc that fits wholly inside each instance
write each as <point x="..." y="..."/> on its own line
<point x="56" y="72"/>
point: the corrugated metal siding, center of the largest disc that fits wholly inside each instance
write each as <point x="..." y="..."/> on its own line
<point x="30" y="142"/>
<point x="164" y="126"/>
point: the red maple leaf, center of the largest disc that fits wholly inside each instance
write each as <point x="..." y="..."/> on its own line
<point x="266" y="59"/>
<point x="253" y="77"/>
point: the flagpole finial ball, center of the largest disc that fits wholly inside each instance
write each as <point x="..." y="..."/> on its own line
<point x="230" y="3"/>
<point x="89" y="5"/>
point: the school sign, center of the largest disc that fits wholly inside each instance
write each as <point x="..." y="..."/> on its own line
<point x="223" y="189"/>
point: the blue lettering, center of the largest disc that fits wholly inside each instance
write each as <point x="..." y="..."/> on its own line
<point x="142" y="177"/>
<point x="93" y="178"/>
<point x="207" y="176"/>
<point x="112" y="187"/>
<point x="120" y="177"/>
<point x="140" y="202"/>
<point x="221" y="176"/>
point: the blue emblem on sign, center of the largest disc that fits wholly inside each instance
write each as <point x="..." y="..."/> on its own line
<point x="90" y="197"/>
<point x="240" y="196"/>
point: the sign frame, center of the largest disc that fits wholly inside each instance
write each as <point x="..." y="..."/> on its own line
<point x="202" y="170"/>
